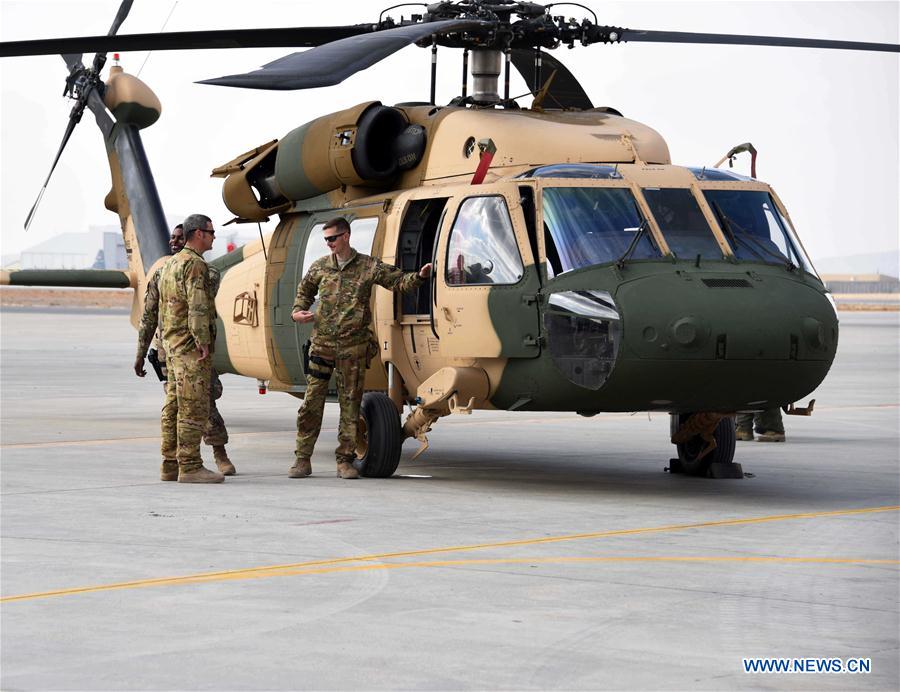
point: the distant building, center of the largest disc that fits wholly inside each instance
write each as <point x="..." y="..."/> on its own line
<point x="102" y="247"/>
<point x="97" y="249"/>
<point x="861" y="283"/>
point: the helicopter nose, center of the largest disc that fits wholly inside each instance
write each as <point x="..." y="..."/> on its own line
<point x="736" y="340"/>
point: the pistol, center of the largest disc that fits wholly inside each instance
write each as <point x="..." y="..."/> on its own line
<point x="153" y="359"/>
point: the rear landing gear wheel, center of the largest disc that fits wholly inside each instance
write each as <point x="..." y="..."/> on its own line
<point x="379" y="437"/>
<point x="689" y="452"/>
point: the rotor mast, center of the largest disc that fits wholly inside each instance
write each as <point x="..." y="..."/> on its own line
<point x="485" y="68"/>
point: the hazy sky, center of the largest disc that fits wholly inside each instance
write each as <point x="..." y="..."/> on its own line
<point x="825" y="122"/>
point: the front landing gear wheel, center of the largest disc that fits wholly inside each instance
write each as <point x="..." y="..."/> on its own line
<point x="379" y="437"/>
<point x="689" y="452"/>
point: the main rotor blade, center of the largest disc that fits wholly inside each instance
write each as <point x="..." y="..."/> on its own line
<point x="640" y="35"/>
<point x="301" y="37"/>
<point x="73" y="121"/>
<point x="565" y="91"/>
<point x="334" y="62"/>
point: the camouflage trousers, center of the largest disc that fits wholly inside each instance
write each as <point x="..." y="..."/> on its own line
<point x="186" y="411"/>
<point x="768" y="420"/>
<point x="349" y="367"/>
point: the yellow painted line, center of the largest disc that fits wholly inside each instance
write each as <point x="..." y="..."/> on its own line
<point x="299" y="570"/>
<point x="333" y="564"/>
<point x="555" y="560"/>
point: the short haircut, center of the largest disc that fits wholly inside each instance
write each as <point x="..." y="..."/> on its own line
<point x="339" y="223"/>
<point x="178" y="227"/>
<point x="193" y="223"/>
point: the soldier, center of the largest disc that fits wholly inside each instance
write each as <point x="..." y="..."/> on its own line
<point x="148" y="330"/>
<point x="187" y="317"/>
<point x="215" y="435"/>
<point x="341" y="339"/>
<point x="768" y="423"/>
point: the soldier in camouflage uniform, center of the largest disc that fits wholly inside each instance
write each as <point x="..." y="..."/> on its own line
<point x="187" y="317"/>
<point x="215" y="435"/>
<point x="341" y="339"/>
<point x="148" y="330"/>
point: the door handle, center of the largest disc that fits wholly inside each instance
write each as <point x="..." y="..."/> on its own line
<point x="448" y="315"/>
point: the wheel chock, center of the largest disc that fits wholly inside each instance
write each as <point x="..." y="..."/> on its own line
<point x="721" y="470"/>
<point x="674" y="466"/>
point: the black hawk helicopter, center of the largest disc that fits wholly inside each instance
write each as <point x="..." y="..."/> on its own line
<point x="577" y="268"/>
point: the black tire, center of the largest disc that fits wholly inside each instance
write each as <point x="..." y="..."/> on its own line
<point x="688" y="452"/>
<point x="381" y="438"/>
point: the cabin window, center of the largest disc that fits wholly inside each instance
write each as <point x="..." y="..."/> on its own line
<point x="585" y="226"/>
<point x="482" y="247"/>
<point x="362" y="234"/>
<point x="755" y="228"/>
<point x="682" y="223"/>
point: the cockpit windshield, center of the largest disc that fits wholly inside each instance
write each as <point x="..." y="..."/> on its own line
<point x="682" y="223"/>
<point x="755" y="228"/>
<point x="584" y="226"/>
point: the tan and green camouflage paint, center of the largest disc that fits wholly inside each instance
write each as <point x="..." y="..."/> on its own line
<point x="506" y="338"/>
<point x="752" y="346"/>
<point x="130" y="100"/>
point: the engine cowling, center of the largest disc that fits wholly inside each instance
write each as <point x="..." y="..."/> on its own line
<point x="366" y="146"/>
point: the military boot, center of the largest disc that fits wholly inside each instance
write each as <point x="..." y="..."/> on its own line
<point x="771" y="436"/>
<point x="744" y="434"/>
<point x="226" y="468"/>
<point x="301" y="469"/>
<point x="345" y="470"/>
<point x="169" y="470"/>
<point x="200" y="474"/>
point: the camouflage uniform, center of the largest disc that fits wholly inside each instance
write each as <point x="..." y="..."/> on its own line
<point x="766" y="421"/>
<point x="341" y="341"/>
<point x="215" y="433"/>
<point x="187" y="317"/>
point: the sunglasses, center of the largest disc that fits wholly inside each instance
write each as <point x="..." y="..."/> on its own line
<point x="212" y="233"/>
<point x="332" y="238"/>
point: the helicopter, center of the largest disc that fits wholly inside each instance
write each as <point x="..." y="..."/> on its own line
<point x="576" y="268"/>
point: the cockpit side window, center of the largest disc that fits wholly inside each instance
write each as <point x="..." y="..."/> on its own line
<point x="586" y="226"/>
<point x="682" y="223"/>
<point x="755" y="228"/>
<point x="482" y="247"/>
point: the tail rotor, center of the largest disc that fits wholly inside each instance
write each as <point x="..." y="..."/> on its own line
<point x="85" y="87"/>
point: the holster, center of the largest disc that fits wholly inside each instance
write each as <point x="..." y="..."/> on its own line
<point x="158" y="368"/>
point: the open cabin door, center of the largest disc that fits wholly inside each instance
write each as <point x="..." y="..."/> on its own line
<point x="486" y="283"/>
<point x="296" y="244"/>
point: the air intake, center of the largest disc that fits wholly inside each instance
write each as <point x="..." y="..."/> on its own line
<point x="728" y="283"/>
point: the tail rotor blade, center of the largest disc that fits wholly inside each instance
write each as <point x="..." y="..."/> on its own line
<point x="73" y="61"/>
<point x="100" y="58"/>
<point x="124" y="9"/>
<point x="73" y="121"/>
<point x="88" y="98"/>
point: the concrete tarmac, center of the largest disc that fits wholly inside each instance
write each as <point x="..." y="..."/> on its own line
<point x="521" y="551"/>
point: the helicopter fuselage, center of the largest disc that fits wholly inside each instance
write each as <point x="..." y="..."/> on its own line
<point x="585" y="287"/>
